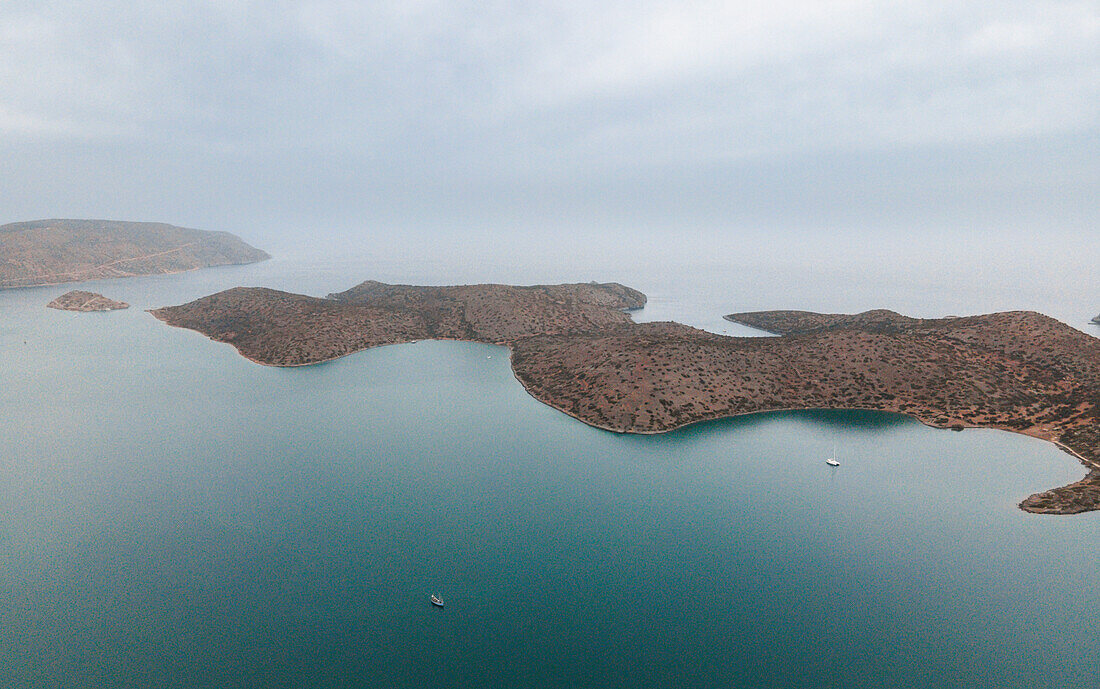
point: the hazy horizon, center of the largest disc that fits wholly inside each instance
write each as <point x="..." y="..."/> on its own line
<point x="321" y="128"/>
<point x="177" y="514"/>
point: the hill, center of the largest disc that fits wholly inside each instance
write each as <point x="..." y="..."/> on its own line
<point x="49" y="252"/>
<point x="79" y="300"/>
<point x="575" y="349"/>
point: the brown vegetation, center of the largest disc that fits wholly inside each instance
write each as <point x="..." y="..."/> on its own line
<point x="50" y="252"/>
<point x="283" y="329"/>
<point x="574" y="349"/>
<point x="77" y="300"/>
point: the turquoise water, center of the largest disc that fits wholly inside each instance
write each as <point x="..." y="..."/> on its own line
<point x="175" y="516"/>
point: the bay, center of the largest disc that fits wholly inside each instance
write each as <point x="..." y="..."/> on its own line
<point x="174" y="515"/>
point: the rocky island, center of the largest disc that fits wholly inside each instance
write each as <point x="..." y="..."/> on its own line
<point x="283" y="329"/>
<point x="575" y="348"/>
<point x="77" y="300"/>
<point x="50" y="252"/>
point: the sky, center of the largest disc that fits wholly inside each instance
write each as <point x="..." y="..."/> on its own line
<point x="336" y="125"/>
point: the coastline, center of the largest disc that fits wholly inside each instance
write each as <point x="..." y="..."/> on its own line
<point x="574" y="349"/>
<point x="1031" y="433"/>
<point x="67" y="250"/>
<point x="731" y="319"/>
<point x="1065" y="448"/>
<point x="318" y="362"/>
<point x="131" y="275"/>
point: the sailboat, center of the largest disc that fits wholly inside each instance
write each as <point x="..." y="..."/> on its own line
<point x="831" y="461"/>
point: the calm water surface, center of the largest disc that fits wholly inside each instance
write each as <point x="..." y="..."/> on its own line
<point x="176" y="516"/>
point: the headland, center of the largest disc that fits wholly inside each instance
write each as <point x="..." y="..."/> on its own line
<point x="50" y="252"/>
<point x="575" y="348"/>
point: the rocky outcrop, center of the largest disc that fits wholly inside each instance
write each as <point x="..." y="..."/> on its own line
<point x="86" y="301"/>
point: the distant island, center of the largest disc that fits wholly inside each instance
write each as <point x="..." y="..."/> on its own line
<point x="574" y="348"/>
<point x="50" y="252"/>
<point x="77" y="300"/>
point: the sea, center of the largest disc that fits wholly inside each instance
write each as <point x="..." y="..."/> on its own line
<point x="173" y="515"/>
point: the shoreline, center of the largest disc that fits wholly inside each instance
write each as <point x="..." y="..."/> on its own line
<point x="1087" y="463"/>
<point x="757" y="328"/>
<point x="78" y="281"/>
<point x="318" y="362"/>
<point x="575" y="349"/>
<point x="1065" y="448"/>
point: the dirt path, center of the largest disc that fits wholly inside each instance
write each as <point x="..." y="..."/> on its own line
<point x="103" y="266"/>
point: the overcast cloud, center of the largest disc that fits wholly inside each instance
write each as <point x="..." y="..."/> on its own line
<point x="272" y="116"/>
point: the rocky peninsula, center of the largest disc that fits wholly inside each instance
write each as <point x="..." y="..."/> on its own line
<point x="77" y="300"/>
<point x="284" y="329"/>
<point x="50" y="252"/>
<point x="575" y="348"/>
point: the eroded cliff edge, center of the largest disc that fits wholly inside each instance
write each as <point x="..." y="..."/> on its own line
<point x="575" y="348"/>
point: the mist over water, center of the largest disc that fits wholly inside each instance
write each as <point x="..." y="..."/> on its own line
<point x="172" y="515"/>
<point x="695" y="277"/>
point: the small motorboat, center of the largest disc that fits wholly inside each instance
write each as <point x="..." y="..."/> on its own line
<point x="437" y="601"/>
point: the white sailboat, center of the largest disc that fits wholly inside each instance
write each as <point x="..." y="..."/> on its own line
<point x="831" y="461"/>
